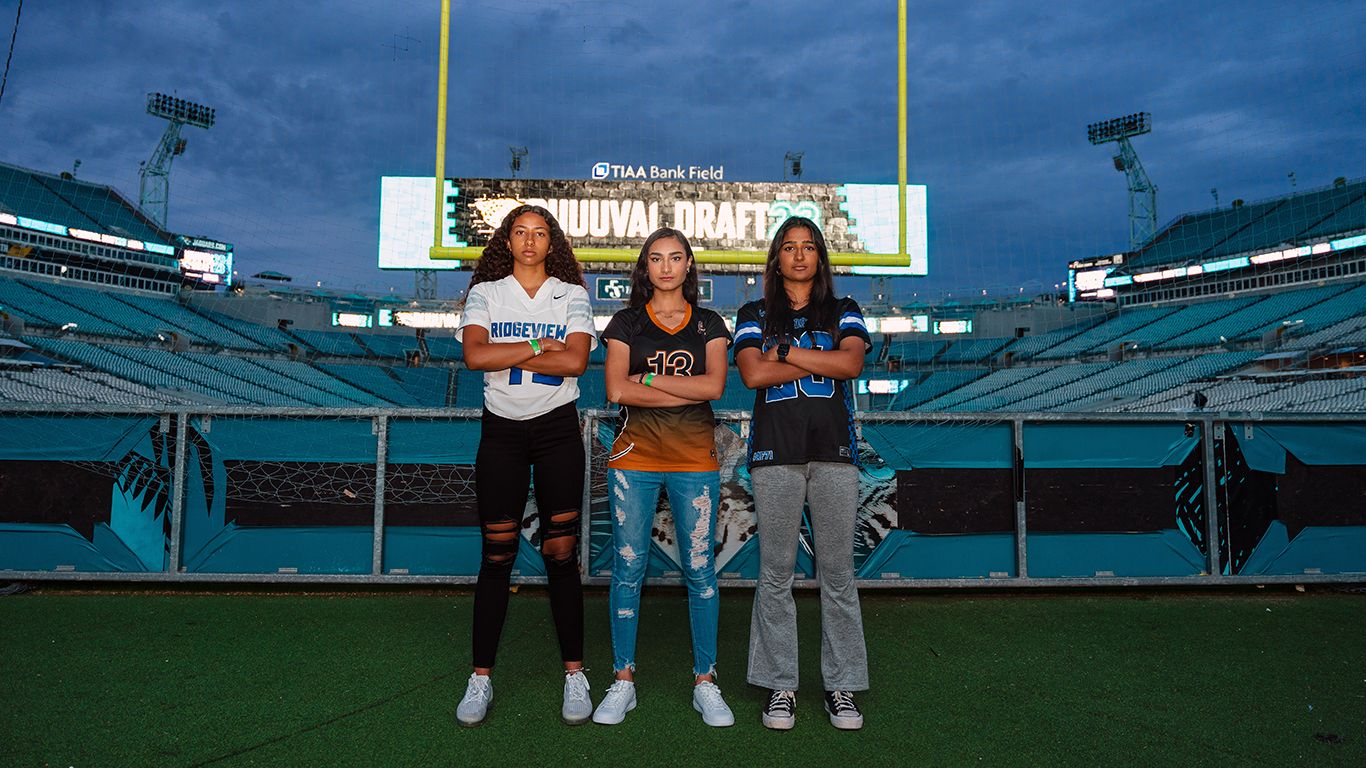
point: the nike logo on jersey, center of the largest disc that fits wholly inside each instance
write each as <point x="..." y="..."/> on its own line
<point x="528" y="331"/>
<point x="561" y="296"/>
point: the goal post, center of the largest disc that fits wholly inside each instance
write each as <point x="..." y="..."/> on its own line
<point x="901" y="259"/>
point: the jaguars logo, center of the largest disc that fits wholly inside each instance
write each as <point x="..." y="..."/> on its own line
<point x="489" y="213"/>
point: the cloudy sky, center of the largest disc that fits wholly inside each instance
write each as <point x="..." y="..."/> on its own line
<point x="317" y="101"/>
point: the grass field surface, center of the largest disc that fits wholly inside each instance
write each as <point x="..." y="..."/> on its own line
<point x="129" y="678"/>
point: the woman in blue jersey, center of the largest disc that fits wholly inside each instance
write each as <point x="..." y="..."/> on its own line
<point x="666" y="362"/>
<point x="528" y="325"/>
<point x="798" y="348"/>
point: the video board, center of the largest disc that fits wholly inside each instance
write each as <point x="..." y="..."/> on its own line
<point x="619" y="215"/>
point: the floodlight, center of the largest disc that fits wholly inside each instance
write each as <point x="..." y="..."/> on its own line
<point x="180" y="110"/>
<point x="1118" y="128"/>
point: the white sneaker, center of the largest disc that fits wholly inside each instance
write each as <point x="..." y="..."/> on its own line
<point x="577" y="706"/>
<point x="474" y="707"/>
<point x="706" y="698"/>
<point x="620" y="699"/>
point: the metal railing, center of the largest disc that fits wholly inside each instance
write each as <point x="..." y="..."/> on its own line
<point x="1210" y="428"/>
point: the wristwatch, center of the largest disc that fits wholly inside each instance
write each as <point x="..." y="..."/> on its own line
<point x="783" y="349"/>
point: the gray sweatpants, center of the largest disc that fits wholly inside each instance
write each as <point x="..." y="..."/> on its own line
<point x="831" y="490"/>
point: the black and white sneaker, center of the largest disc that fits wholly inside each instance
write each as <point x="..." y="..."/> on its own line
<point x="780" y="711"/>
<point x="844" y="713"/>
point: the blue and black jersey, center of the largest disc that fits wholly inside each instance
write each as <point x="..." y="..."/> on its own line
<point x="811" y="419"/>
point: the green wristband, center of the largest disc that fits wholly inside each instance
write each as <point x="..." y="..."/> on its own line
<point x="649" y="377"/>
<point x="535" y="346"/>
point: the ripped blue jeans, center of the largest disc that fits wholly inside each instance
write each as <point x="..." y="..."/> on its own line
<point x="693" y="496"/>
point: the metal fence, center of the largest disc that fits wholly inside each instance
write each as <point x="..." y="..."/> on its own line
<point x="1202" y="478"/>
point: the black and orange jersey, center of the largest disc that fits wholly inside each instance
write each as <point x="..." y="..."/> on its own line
<point x="812" y="418"/>
<point x="677" y="439"/>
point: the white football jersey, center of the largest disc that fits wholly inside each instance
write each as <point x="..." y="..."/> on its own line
<point x="502" y="307"/>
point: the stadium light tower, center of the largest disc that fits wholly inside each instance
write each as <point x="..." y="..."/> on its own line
<point x="792" y="166"/>
<point x="1142" y="192"/>
<point x="154" y="188"/>
<point x="518" y="159"/>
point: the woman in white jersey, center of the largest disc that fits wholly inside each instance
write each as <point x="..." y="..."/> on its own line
<point x="528" y="325"/>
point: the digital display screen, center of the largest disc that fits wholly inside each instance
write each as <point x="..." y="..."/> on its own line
<point x="904" y="324"/>
<point x="1091" y="279"/>
<point x="952" y="326"/>
<point x="352" y="320"/>
<point x="882" y="386"/>
<point x="416" y="319"/>
<point x="619" y="215"/>
<point x="210" y="266"/>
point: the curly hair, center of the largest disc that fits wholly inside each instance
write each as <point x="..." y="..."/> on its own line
<point x="642" y="290"/>
<point x="496" y="261"/>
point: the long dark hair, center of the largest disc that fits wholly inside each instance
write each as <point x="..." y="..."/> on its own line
<point x="642" y="290"/>
<point x="777" y="307"/>
<point x="496" y="261"/>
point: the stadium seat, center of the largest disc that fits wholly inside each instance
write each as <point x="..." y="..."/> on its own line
<point x="187" y="320"/>
<point x="392" y="347"/>
<point x="980" y="387"/>
<point x="973" y="350"/>
<point x="934" y="384"/>
<point x="331" y="343"/>
<point x="374" y="380"/>
<point x="428" y="385"/>
<point x="1030" y="345"/>
<point x="1121" y="326"/>
<point x="40" y="310"/>
<point x="469" y="389"/>
<point x="1248" y="322"/>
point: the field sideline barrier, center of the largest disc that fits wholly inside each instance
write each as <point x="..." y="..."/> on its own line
<point x="222" y="495"/>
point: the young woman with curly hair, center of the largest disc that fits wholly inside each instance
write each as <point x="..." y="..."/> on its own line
<point x="798" y="348"/>
<point x="528" y="325"/>
<point x="666" y="362"/>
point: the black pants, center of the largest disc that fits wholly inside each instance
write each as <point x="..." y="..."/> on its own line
<point x="510" y="451"/>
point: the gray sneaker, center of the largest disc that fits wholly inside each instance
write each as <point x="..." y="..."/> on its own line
<point x="706" y="698"/>
<point x="620" y="699"/>
<point x="474" y="707"/>
<point x="577" y="706"/>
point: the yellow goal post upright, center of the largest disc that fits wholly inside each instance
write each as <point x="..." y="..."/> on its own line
<point x="624" y="257"/>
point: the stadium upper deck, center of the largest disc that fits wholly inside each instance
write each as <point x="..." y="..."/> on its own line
<point x="75" y="204"/>
<point x="1244" y="246"/>
<point x="1247" y="228"/>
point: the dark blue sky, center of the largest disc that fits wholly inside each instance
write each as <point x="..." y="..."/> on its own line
<point x="317" y="101"/>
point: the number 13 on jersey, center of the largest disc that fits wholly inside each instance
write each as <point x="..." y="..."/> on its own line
<point x="676" y="363"/>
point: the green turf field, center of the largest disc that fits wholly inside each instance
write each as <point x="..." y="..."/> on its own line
<point x="1271" y="678"/>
